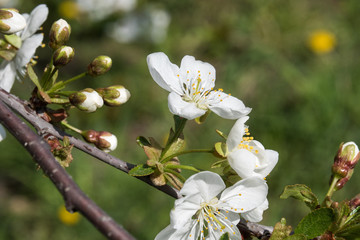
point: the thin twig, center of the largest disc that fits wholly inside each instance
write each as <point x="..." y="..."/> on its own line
<point x="74" y="198"/>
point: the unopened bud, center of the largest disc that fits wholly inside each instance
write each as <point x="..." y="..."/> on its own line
<point x="99" y="65"/>
<point x="11" y="21"/>
<point x="114" y="95"/>
<point x="87" y="100"/>
<point x="106" y="142"/>
<point x="345" y="160"/>
<point x="59" y="34"/>
<point x="62" y="56"/>
<point x="90" y="136"/>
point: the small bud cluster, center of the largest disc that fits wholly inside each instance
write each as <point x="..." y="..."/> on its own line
<point x="105" y="141"/>
<point x="344" y="163"/>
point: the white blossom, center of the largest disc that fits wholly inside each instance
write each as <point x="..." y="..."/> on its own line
<point x="247" y="156"/>
<point x="191" y="88"/>
<point x="208" y="209"/>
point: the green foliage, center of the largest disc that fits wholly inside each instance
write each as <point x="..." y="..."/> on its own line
<point x="141" y="170"/>
<point x="302" y="193"/>
<point x="225" y="236"/>
<point x="281" y="230"/>
<point x="315" y="223"/>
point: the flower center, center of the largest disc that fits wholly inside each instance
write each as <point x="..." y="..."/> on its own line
<point x="246" y="142"/>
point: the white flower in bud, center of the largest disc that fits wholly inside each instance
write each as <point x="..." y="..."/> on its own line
<point x="59" y="33"/>
<point x="87" y="100"/>
<point x="115" y="98"/>
<point x="11" y="21"/>
<point x="107" y="142"/>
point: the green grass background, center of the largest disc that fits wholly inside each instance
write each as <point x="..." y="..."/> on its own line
<point x="304" y="105"/>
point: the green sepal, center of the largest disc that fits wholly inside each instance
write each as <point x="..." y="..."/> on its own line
<point x="8" y="55"/>
<point x="225" y="236"/>
<point x="221" y="134"/>
<point x="302" y="193"/>
<point x="173" y="180"/>
<point x="14" y="40"/>
<point x="142" y="141"/>
<point x="316" y="223"/>
<point x="201" y="119"/>
<point x="141" y="170"/>
<point x="33" y="77"/>
<point x="281" y="231"/>
<point x="221" y="149"/>
<point x="219" y="163"/>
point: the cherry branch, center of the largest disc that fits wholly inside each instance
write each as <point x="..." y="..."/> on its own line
<point x="74" y="198"/>
<point x="43" y="127"/>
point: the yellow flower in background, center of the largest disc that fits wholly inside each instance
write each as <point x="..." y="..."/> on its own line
<point x="68" y="218"/>
<point x="69" y="9"/>
<point x="322" y="41"/>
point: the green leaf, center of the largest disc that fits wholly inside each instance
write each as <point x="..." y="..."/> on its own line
<point x="221" y="149"/>
<point x="33" y="77"/>
<point x="316" y="223"/>
<point x="152" y="153"/>
<point x="177" y="146"/>
<point x="186" y="167"/>
<point x="225" y="236"/>
<point x="201" y="119"/>
<point x="351" y="228"/>
<point x="296" y="237"/>
<point x="281" y="231"/>
<point x="302" y="193"/>
<point x="141" y="170"/>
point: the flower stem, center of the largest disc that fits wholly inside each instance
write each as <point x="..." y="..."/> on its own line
<point x="331" y="190"/>
<point x="81" y="75"/>
<point x="59" y="100"/>
<point x="67" y="125"/>
<point x="168" y="158"/>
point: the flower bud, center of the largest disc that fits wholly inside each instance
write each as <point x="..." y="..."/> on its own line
<point x="99" y="65"/>
<point x="62" y="56"/>
<point x="115" y="95"/>
<point x="59" y="34"/>
<point x="345" y="159"/>
<point x="11" y="21"/>
<point x="106" y="141"/>
<point x="87" y="100"/>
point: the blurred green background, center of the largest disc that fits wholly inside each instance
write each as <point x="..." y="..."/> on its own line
<point x="296" y="63"/>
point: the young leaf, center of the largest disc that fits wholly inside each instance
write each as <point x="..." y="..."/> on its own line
<point x="302" y="193"/>
<point x="33" y="77"/>
<point x="296" y="237"/>
<point x="281" y="231"/>
<point x="152" y="153"/>
<point x="315" y="223"/>
<point x="141" y="170"/>
<point x="351" y="229"/>
<point x="142" y="141"/>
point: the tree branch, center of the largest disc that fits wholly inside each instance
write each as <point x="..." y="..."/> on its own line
<point x="74" y="198"/>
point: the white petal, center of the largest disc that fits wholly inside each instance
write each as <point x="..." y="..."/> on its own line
<point x="35" y="20"/>
<point x="230" y="107"/>
<point x="244" y="195"/>
<point x="164" y="72"/>
<point x="185" y="209"/>
<point x="236" y="133"/>
<point x="256" y="214"/>
<point x="178" y="106"/>
<point x="193" y="69"/>
<point x="271" y="158"/>
<point x="7" y="75"/>
<point x="243" y="162"/>
<point x="207" y="184"/>
<point x="27" y="50"/>
<point x="189" y="230"/>
<point x="2" y="133"/>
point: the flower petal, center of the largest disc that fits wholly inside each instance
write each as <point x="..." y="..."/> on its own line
<point x="27" y="51"/>
<point x="271" y="158"/>
<point x="35" y="20"/>
<point x="236" y="133"/>
<point x="184" y="209"/>
<point x="2" y="133"/>
<point x="7" y="75"/>
<point x="256" y="214"/>
<point x="244" y="195"/>
<point x="178" y="106"/>
<point x="230" y="107"/>
<point x="191" y="69"/>
<point x="207" y="184"/>
<point x="189" y="230"/>
<point x="164" y="72"/>
<point x="243" y="162"/>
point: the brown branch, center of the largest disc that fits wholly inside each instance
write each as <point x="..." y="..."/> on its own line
<point x="43" y="127"/>
<point x="74" y="198"/>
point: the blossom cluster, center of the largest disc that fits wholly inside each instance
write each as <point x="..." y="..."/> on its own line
<point x="208" y="209"/>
